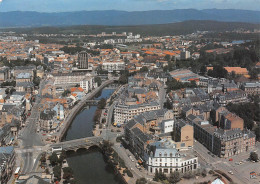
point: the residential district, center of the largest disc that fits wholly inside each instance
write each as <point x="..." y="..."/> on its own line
<point x="185" y="108"/>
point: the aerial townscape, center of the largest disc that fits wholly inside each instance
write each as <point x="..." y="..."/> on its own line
<point x="160" y="103"/>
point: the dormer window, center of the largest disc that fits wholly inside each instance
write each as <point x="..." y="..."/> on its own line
<point x="160" y="154"/>
<point x="165" y="154"/>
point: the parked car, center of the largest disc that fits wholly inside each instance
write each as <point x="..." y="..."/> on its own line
<point x="230" y="172"/>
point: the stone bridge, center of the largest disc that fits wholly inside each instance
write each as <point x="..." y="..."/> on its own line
<point x="76" y="144"/>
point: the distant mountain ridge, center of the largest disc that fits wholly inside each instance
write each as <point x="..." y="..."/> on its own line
<point x="115" y="17"/>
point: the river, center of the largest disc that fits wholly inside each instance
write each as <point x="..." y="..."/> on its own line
<point x="89" y="166"/>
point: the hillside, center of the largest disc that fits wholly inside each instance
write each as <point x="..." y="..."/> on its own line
<point x="114" y="17"/>
<point x="178" y="28"/>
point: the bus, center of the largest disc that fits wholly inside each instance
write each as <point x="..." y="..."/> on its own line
<point x="17" y="172"/>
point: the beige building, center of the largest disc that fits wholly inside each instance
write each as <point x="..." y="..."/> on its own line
<point x="124" y="112"/>
<point x="183" y="133"/>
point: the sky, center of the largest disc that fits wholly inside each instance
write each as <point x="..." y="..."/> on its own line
<point x="127" y="5"/>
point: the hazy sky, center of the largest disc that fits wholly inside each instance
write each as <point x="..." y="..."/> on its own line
<point x="129" y="5"/>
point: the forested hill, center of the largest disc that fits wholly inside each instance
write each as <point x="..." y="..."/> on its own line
<point x="178" y="28"/>
<point x="114" y="17"/>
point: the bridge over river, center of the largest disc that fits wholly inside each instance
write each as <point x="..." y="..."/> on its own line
<point x="76" y="144"/>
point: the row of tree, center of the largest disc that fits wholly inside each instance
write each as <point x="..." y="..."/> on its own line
<point x="56" y="163"/>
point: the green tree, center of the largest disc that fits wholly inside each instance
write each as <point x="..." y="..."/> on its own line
<point x="174" y="177"/>
<point x="204" y="173"/>
<point x="66" y="92"/>
<point x="57" y="172"/>
<point x="167" y="57"/>
<point x="7" y="91"/>
<point x="36" y="81"/>
<point x="98" y="80"/>
<point x="218" y="72"/>
<point x="62" y="157"/>
<point x="123" y="79"/>
<point x="102" y="103"/>
<point x="141" y="181"/>
<point x="67" y="173"/>
<point x="203" y="70"/>
<point x="168" y="105"/>
<point x="12" y="90"/>
<point x="43" y="158"/>
<point x="53" y="159"/>
<point x="254" y="73"/>
<point x="144" y="69"/>
<point x="257" y="133"/>
<point x="254" y="156"/>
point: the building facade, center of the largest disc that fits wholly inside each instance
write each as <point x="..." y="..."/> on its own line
<point x="83" y="60"/>
<point x="162" y="157"/>
<point x="125" y="112"/>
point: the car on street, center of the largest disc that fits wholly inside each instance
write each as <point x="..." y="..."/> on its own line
<point x="230" y="172"/>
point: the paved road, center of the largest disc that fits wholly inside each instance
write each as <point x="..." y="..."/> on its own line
<point x="161" y="95"/>
<point x="208" y="161"/>
<point x="28" y="135"/>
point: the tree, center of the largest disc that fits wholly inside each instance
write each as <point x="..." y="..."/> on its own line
<point x="167" y="57"/>
<point x="62" y="157"/>
<point x="129" y="173"/>
<point x="141" y="181"/>
<point x="54" y="159"/>
<point x="7" y="91"/>
<point x="66" y="92"/>
<point x="204" y="173"/>
<point x="254" y="156"/>
<point x="43" y="158"/>
<point x="174" y="177"/>
<point x="144" y="69"/>
<point x="67" y="173"/>
<point x="12" y="90"/>
<point x="123" y="79"/>
<point x="188" y="175"/>
<point x="254" y="73"/>
<point x="168" y="105"/>
<point x="257" y="133"/>
<point x="156" y="176"/>
<point x="101" y="103"/>
<point x="203" y="70"/>
<point x="36" y="81"/>
<point x="159" y="176"/>
<point x="218" y="72"/>
<point x="98" y="80"/>
<point x="57" y="172"/>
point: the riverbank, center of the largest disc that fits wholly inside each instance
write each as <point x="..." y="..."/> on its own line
<point x="89" y="166"/>
<point x="77" y="108"/>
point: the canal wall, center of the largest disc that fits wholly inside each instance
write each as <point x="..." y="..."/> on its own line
<point x="68" y="120"/>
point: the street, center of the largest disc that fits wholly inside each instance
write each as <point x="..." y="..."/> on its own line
<point x="241" y="172"/>
<point x="28" y="135"/>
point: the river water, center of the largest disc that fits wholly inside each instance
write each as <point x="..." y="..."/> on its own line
<point x="89" y="166"/>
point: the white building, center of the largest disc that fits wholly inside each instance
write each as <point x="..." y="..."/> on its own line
<point x="185" y="55"/>
<point x="87" y="83"/>
<point x="113" y="66"/>
<point x="167" y="126"/>
<point x="163" y="156"/>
